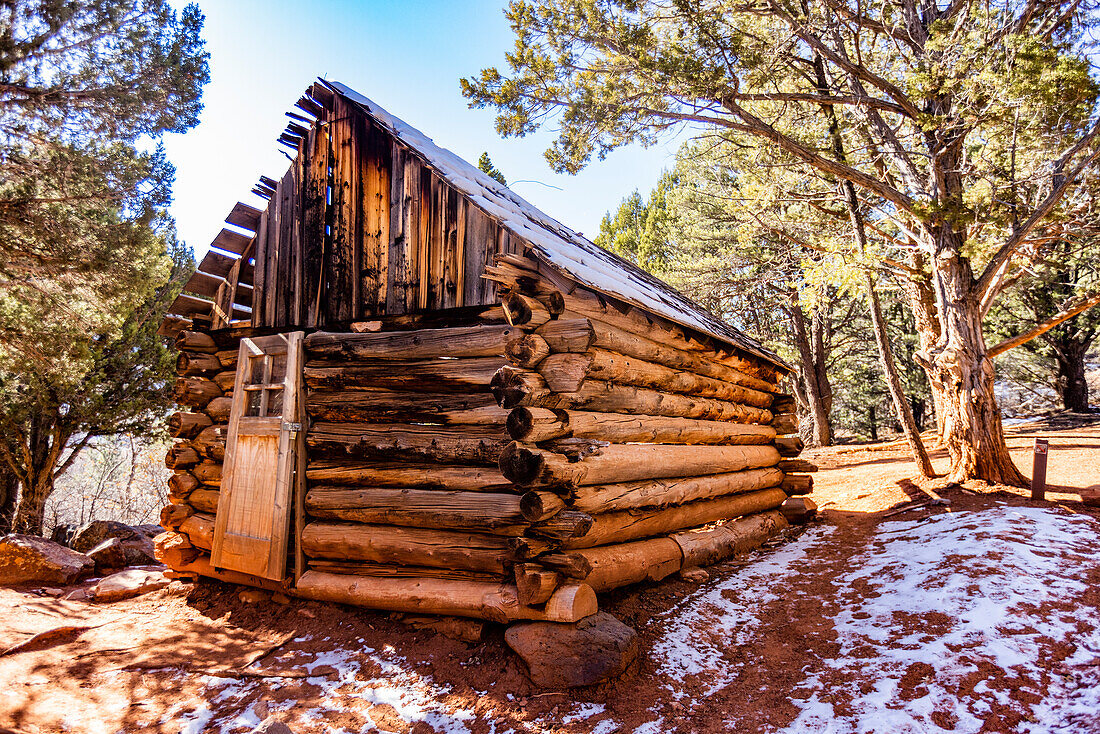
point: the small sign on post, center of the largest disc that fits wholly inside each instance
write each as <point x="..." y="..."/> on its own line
<point x="1039" y="470"/>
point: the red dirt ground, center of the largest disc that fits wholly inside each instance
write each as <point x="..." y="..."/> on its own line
<point x="146" y="665"/>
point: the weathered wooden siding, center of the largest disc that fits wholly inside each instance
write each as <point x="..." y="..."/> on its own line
<point x="359" y="227"/>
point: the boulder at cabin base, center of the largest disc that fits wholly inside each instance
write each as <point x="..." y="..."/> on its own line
<point x="597" y="648"/>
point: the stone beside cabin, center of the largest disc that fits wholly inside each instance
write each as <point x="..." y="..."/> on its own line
<point x="404" y="387"/>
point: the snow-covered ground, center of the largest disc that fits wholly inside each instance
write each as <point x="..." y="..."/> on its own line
<point x="938" y="621"/>
<point x="945" y="623"/>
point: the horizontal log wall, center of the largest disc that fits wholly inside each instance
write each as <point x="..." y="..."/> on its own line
<point x="573" y="442"/>
<point x="642" y="429"/>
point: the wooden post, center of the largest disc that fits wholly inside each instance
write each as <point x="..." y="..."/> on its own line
<point x="1039" y="470"/>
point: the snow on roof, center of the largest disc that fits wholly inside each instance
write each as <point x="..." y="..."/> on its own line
<point x="554" y="243"/>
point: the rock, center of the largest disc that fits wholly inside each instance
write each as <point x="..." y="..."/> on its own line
<point x="97" y="531"/>
<point x="28" y="559"/>
<point x="279" y="598"/>
<point x="798" y="510"/>
<point x="129" y="583"/>
<point x="694" y="574"/>
<point x="595" y="649"/>
<point x="271" y="725"/>
<point x="136" y="544"/>
<point x="80" y="594"/>
<point x="252" y="596"/>
<point x="108" y="555"/>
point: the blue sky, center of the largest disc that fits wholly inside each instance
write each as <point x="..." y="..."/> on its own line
<point x="408" y="56"/>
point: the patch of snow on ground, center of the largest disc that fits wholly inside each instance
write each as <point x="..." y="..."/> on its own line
<point x="720" y="617"/>
<point x="955" y="619"/>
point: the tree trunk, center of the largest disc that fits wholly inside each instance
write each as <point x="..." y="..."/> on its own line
<point x="1070" y="381"/>
<point x="9" y="494"/>
<point x="962" y="376"/>
<point x="31" y="508"/>
<point x="893" y="381"/>
<point x="819" y="415"/>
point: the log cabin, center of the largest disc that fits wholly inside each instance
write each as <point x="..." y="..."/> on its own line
<point x="403" y="387"/>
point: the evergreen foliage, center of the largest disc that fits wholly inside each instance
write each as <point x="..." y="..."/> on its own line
<point x="88" y="258"/>
<point x="961" y="127"/>
<point x="485" y="163"/>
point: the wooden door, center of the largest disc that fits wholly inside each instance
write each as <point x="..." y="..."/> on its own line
<point x="252" y="529"/>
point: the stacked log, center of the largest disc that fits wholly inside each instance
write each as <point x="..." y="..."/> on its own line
<point x="406" y="507"/>
<point x="200" y="429"/>
<point x="504" y="470"/>
<point x="638" y="435"/>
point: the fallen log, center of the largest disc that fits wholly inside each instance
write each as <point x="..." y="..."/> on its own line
<point x="494" y="602"/>
<point x="446" y="445"/>
<point x="426" y="476"/>
<point x="664" y="492"/>
<point x="424" y="375"/>
<point x="468" y="341"/>
<point x="187" y="425"/>
<point x="513" y="387"/>
<point x="498" y="514"/>
<point x="195" y="391"/>
<point x="617" y="527"/>
<point x="704" y="547"/>
<point x="535" y="425"/>
<point x="411" y="546"/>
<point x="527" y="466"/>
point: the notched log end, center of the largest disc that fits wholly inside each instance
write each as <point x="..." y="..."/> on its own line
<point x="508" y="387"/>
<point x="520" y="465"/>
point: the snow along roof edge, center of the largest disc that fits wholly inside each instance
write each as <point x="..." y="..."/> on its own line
<point x="569" y="252"/>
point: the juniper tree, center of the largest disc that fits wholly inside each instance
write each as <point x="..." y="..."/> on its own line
<point x="87" y="90"/>
<point x="945" y="110"/>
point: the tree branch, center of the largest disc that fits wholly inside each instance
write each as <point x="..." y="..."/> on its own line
<point x="1062" y="183"/>
<point x="1082" y="305"/>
